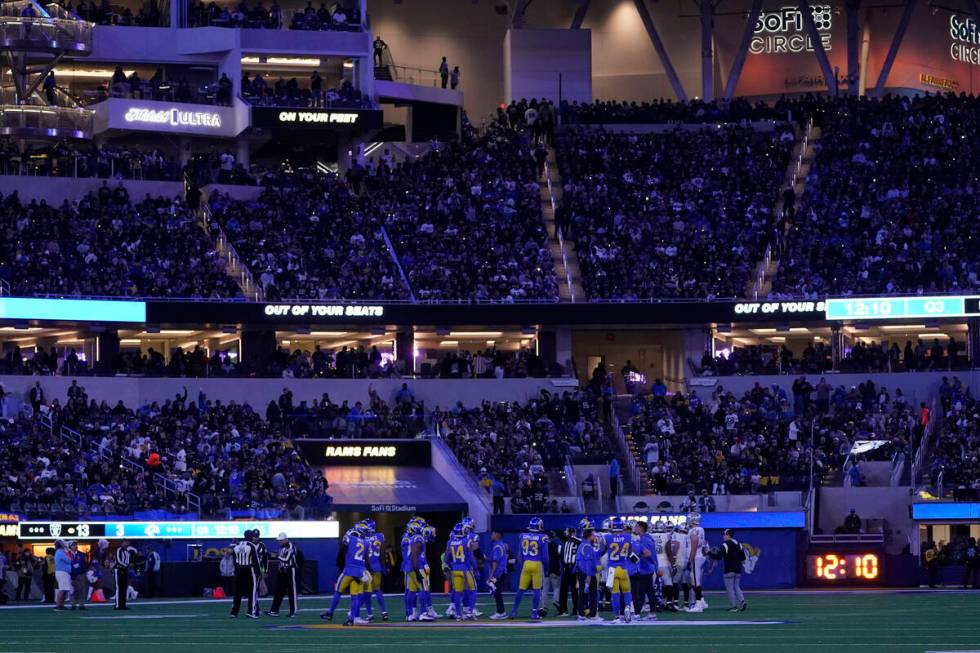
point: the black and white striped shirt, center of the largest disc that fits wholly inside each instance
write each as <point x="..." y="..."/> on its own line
<point x="287" y="556"/>
<point x="246" y="556"/>
<point x="124" y="557"/>
<point x="263" y="555"/>
<point x="569" y="550"/>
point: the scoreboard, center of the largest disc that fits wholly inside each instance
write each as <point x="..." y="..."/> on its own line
<point x="842" y="567"/>
<point x="176" y="530"/>
<point x="896" y="308"/>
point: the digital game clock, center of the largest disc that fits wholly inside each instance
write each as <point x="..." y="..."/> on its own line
<point x="843" y="567"/>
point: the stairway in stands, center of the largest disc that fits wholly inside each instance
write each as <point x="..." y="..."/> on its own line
<point x="563" y="253"/>
<point x="623" y="412"/>
<point x="800" y="162"/>
<point x="383" y="73"/>
<point x="236" y="268"/>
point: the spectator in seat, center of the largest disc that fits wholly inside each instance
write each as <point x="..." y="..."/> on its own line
<point x="852" y="523"/>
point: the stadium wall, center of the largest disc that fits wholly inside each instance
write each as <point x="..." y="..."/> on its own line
<point x="774" y="550"/>
<point x="917" y="387"/>
<point x="58" y="189"/>
<point x="625" y="65"/>
<point x="890" y="504"/>
<point x="551" y="63"/>
<point x="134" y="391"/>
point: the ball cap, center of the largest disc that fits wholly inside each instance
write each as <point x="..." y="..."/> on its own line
<point x="281" y="537"/>
<point x="729" y="532"/>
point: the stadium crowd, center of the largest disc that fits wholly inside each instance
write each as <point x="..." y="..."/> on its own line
<point x="738" y="445"/>
<point x="816" y="358"/>
<point x="225" y="453"/>
<point x="339" y="16"/>
<point x="956" y="448"/>
<point x="312" y="239"/>
<point x="466" y="220"/>
<point x="669" y="111"/>
<point x="290" y="93"/>
<point x="686" y="213"/>
<point x="106" y="244"/>
<point x="67" y="159"/>
<point x="889" y="201"/>
<point x="510" y="446"/>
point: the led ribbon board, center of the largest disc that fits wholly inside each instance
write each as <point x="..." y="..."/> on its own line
<point x="896" y="308"/>
<point x="75" y="310"/>
<point x="177" y="530"/>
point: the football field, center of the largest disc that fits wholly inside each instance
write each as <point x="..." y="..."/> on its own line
<point x="793" y="621"/>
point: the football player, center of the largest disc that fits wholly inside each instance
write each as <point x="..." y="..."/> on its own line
<point x="375" y="542"/>
<point x="412" y="569"/>
<point x="699" y="551"/>
<point x="619" y="547"/>
<point x="354" y="577"/>
<point x="469" y="530"/>
<point x="458" y="557"/>
<point x="665" y="555"/>
<point x="681" y="547"/>
<point x="587" y="570"/>
<point x="428" y="540"/>
<point x="533" y="558"/>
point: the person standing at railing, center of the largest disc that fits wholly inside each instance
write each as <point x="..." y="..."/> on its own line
<point x="379" y="47"/>
<point x="316" y="88"/>
<point x="49" y="85"/>
<point x="444" y="72"/>
<point x="454" y="78"/>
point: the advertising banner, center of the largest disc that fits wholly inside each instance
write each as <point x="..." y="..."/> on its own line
<point x="781" y="56"/>
<point x="940" y="51"/>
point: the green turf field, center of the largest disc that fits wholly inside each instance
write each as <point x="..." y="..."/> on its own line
<point x="784" y="622"/>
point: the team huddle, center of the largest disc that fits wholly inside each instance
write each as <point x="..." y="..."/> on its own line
<point x="630" y="567"/>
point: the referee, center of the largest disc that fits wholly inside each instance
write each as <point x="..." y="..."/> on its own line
<point x="246" y="577"/>
<point x="286" y="582"/>
<point x="125" y="556"/>
<point x="569" y="578"/>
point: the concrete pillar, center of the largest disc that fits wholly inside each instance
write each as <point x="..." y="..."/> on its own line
<point x="405" y="350"/>
<point x="973" y="341"/>
<point x="853" y="46"/>
<point x="186" y="149"/>
<point x="106" y="350"/>
<point x="346" y="152"/>
<point x="707" y="50"/>
<point x="257" y="347"/>
<point x="364" y="75"/>
<point x="243" y="155"/>
<point x="547" y="349"/>
<point x="563" y="348"/>
<point x="836" y="345"/>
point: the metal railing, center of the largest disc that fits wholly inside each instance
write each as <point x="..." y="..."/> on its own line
<point x="561" y="239"/>
<point x="227" y="250"/>
<point x="40" y="34"/>
<point x="4" y="288"/>
<point x="64" y="122"/>
<point x="848" y="538"/>
<point x="632" y="467"/>
<point x="473" y="485"/>
<point x="417" y="76"/>
<point x="570" y="483"/>
<point x="920" y="454"/>
<point x="398" y="263"/>
<point x="794" y="176"/>
<point x="761" y="270"/>
<point x="898" y="468"/>
<point x="170" y="487"/>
